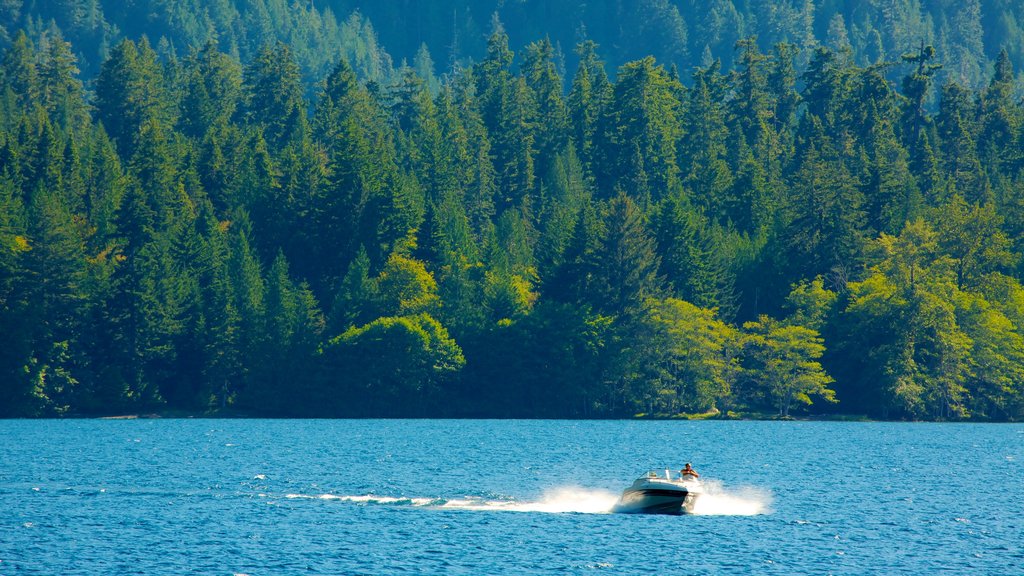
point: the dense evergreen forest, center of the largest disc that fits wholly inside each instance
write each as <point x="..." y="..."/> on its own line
<point x="968" y="34"/>
<point x="282" y="221"/>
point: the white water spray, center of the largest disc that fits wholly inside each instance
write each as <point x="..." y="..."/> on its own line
<point x="744" y="501"/>
<point x="557" y="500"/>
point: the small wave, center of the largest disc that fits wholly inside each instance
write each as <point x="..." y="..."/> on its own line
<point x="594" y="566"/>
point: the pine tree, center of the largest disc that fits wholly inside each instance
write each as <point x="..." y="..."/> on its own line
<point x="825" y="227"/>
<point x="479" y="178"/>
<point x="294" y="326"/>
<point x="274" y="386"/>
<point x="956" y="123"/>
<point x="246" y="280"/>
<point x="590" y="93"/>
<point x="508" y="112"/>
<point x="273" y="93"/>
<point x="54" y="269"/>
<point x="492" y="76"/>
<point x="139" y="311"/>
<point x="916" y="87"/>
<point x="1000" y="120"/>
<point x="130" y="93"/>
<point x="781" y="85"/>
<point x="626" y="271"/>
<point x="514" y="148"/>
<point x="689" y="256"/>
<point x="825" y="85"/>
<point x="155" y="166"/>
<point x="431" y="158"/>
<point x="104" y="187"/>
<point x="355" y="302"/>
<point x="889" y="188"/>
<point x="62" y="92"/>
<point x="750" y="205"/>
<point x="16" y="393"/>
<point x="542" y="78"/>
<point x="642" y="122"/>
<point x="571" y="279"/>
<point x="704" y="144"/>
<point x="212" y="92"/>
<point x="424" y="66"/>
<point x="751" y="110"/>
<point x="20" y="73"/>
<point x="366" y="200"/>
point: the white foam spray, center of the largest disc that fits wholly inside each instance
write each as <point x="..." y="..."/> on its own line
<point x="743" y="501"/>
<point x="557" y="500"/>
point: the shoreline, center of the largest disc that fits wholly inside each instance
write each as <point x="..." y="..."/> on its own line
<point x="180" y="415"/>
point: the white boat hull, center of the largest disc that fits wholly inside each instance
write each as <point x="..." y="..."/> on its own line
<point x="658" y="497"/>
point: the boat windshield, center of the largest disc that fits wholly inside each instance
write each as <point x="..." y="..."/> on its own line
<point x="666" y="475"/>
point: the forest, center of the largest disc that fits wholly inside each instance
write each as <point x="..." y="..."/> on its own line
<point x="969" y="34"/>
<point x="281" y="221"/>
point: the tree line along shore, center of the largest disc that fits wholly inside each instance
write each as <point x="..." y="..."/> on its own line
<point x="798" y="235"/>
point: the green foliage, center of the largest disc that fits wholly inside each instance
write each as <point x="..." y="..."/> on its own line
<point x="404" y="287"/>
<point x="212" y="91"/>
<point x="273" y="93"/>
<point x="638" y="134"/>
<point x="696" y="359"/>
<point x="973" y="238"/>
<point x="489" y="241"/>
<point x="625" y="264"/>
<point x="782" y="360"/>
<point x="412" y="358"/>
<point x="131" y="92"/>
<point x="928" y="342"/>
<point x="811" y="304"/>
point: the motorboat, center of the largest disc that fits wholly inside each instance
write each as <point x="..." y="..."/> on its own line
<point x="654" y="493"/>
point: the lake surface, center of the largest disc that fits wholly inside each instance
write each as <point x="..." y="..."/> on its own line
<point x="505" y="497"/>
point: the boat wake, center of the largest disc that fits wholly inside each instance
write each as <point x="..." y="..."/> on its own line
<point x="716" y="501"/>
<point x="369" y="499"/>
<point x="559" y="500"/>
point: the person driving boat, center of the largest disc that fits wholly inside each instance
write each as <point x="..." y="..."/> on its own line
<point x="688" y="471"/>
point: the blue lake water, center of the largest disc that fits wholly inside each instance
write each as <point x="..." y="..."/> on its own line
<point x="505" y="497"/>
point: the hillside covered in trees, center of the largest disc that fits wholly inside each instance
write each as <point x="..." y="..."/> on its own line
<point x="271" y="225"/>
